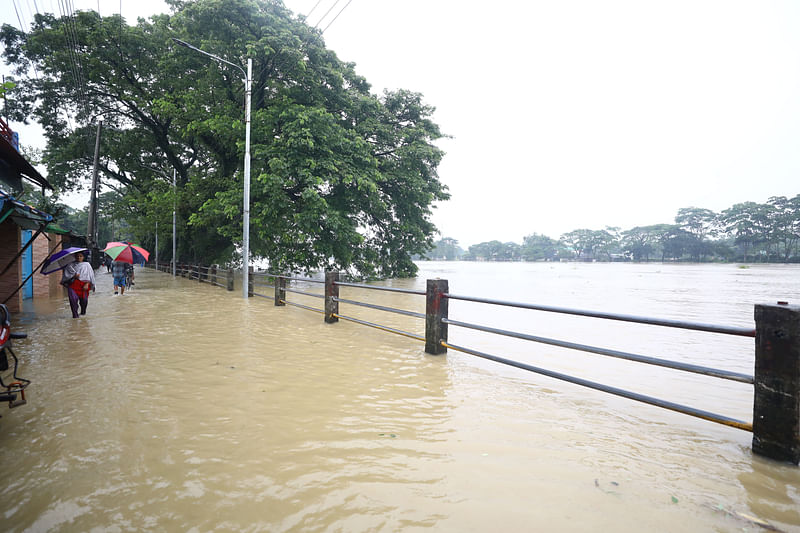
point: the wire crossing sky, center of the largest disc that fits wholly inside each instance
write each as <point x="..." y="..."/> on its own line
<point x="580" y="114"/>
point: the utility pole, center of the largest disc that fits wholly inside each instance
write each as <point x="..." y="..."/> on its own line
<point x="174" y="240"/>
<point x="5" y="102"/>
<point x="92" y="229"/>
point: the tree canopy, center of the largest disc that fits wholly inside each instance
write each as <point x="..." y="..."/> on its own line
<point x="340" y="178"/>
<point x="748" y="231"/>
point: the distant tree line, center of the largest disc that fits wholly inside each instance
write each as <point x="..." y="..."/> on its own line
<point x="748" y="232"/>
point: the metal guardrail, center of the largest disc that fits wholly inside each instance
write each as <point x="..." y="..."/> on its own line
<point x="777" y="333"/>
<point x="211" y="274"/>
<point x="711" y="328"/>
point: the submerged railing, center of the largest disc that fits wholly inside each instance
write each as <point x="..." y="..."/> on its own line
<point x="776" y="378"/>
<point x="211" y="274"/>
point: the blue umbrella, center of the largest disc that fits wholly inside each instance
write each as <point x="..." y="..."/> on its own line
<point x="59" y="260"/>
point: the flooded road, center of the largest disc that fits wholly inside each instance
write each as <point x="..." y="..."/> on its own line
<point x="181" y="407"/>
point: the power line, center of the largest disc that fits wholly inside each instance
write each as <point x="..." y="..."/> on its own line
<point x="19" y="18"/>
<point x="337" y="16"/>
<point x="74" y="53"/>
<point x="76" y="44"/>
<point x="313" y="8"/>
<point x="22" y="27"/>
<point x="70" y="48"/>
<point x="30" y="11"/>
<point x="326" y="14"/>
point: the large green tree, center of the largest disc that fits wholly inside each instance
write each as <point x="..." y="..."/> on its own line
<point x="536" y="247"/>
<point x="446" y="248"/>
<point x="341" y="178"/>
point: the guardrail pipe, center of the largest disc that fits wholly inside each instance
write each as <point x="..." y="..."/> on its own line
<point x="776" y="403"/>
<point x="280" y="290"/>
<point x="436" y="306"/>
<point x="331" y="292"/>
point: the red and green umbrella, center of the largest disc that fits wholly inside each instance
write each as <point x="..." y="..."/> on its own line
<point x="126" y="252"/>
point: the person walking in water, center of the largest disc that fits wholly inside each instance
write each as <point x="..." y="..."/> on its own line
<point x="78" y="278"/>
<point x="119" y="270"/>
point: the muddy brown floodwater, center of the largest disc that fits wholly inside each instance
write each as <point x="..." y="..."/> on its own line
<point x="182" y="407"/>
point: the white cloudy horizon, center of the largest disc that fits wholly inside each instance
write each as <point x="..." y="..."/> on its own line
<point x="568" y="115"/>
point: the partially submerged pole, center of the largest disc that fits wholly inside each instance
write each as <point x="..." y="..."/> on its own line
<point x="436" y="307"/>
<point x="776" y="402"/>
<point x="331" y="295"/>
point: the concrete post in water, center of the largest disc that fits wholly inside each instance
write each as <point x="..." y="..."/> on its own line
<point x="331" y="292"/>
<point x="212" y="274"/>
<point x="200" y="273"/>
<point x="230" y="279"/>
<point x="280" y="290"/>
<point x="776" y="403"/>
<point x="435" y="310"/>
<point x="250" y="281"/>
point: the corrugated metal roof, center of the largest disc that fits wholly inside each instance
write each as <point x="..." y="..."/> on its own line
<point x="15" y="164"/>
<point x="21" y="214"/>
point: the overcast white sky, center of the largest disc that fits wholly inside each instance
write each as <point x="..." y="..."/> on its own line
<point x="576" y="114"/>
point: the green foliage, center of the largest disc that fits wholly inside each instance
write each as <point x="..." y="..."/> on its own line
<point x="537" y="247"/>
<point x="340" y="178"/>
<point x="748" y="231"/>
<point x="5" y="87"/>
<point x="494" y="251"/>
<point x="446" y="249"/>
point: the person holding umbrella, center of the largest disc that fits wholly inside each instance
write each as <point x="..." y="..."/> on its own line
<point x="124" y="254"/>
<point x="78" y="278"/>
<point x="119" y="270"/>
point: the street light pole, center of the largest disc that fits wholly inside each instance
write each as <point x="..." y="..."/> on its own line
<point x="246" y="200"/>
<point x="174" y="239"/>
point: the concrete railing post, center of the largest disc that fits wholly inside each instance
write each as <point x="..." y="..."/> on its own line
<point x="280" y="290"/>
<point x="250" y="281"/>
<point x="435" y="311"/>
<point x="230" y="279"/>
<point x="776" y="403"/>
<point x="200" y="273"/>
<point x="331" y="292"/>
<point x="212" y="274"/>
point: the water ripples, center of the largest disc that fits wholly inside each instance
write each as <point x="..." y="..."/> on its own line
<point x="180" y="406"/>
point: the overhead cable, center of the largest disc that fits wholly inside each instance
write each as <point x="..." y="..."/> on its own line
<point x="337" y="16"/>
<point x="312" y="9"/>
<point x="326" y="13"/>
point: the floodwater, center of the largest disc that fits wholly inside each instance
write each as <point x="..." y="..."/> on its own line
<point x="182" y="407"/>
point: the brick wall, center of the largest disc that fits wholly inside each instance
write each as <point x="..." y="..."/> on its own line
<point x="9" y="246"/>
<point x="45" y="286"/>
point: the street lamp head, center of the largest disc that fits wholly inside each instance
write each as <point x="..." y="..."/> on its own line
<point x="212" y="56"/>
<point x="187" y="45"/>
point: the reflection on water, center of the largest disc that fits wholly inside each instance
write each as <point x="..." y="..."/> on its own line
<point x="180" y="406"/>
